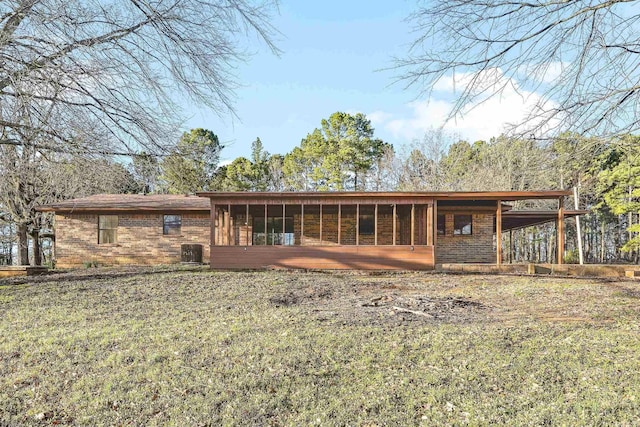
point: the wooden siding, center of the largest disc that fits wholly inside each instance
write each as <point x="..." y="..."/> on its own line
<point x="324" y="257"/>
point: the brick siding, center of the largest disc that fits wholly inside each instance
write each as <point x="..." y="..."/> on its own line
<point x="475" y="248"/>
<point x="140" y="239"/>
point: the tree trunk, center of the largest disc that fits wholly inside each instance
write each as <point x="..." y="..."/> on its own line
<point x="23" y="245"/>
<point x="37" y="253"/>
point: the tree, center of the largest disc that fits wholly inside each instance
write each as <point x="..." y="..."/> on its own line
<point x="619" y="186"/>
<point x="246" y="175"/>
<point x="581" y="56"/>
<point x="146" y="171"/>
<point x="115" y="68"/>
<point x="338" y="156"/>
<point x="192" y="164"/>
<point x="30" y="180"/>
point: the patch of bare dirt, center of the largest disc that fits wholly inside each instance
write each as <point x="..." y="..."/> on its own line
<point x="384" y="302"/>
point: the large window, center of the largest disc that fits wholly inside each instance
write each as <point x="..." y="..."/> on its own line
<point x="172" y="224"/>
<point x="462" y="225"/>
<point x="274" y="234"/>
<point x="107" y="229"/>
<point x="442" y="222"/>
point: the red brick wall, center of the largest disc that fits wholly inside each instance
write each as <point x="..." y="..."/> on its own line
<point x="477" y="247"/>
<point x="140" y="239"/>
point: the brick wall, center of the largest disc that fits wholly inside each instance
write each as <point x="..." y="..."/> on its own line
<point x="140" y="239"/>
<point x="477" y="247"/>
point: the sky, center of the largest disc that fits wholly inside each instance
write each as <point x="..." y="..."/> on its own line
<point x="336" y="56"/>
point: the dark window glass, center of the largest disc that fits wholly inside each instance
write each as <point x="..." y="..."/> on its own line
<point x="367" y="225"/>
<point x="172" y="224"/>
<point x="462" y="225"/>
<point x="107" y="229"/>
<point x="442" y="221"/>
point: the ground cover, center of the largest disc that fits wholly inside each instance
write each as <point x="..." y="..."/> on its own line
<point x="165" y="346"/>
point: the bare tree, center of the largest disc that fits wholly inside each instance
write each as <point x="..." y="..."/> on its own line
<point x="117" y="68"/>
<point x="582" y="56"/>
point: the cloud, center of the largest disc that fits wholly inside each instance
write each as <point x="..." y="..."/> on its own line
<point x="489" y="117"/>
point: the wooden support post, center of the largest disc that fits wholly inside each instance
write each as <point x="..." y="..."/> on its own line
<point x="375" y="225"/>
<point x="266" y="234"/>
<point x="511" y="247"/>
<point x="339" y="223"/>
<point x="320" y="223"/>
<point x="357" y="224"/>
<point x="429" y="222"/>
<point x="229" y="225"/>
<point x="214" y="218"/>
<point x="413" y="221"/>
<point x="578" y="229"/>
<point x="434" y="229"/>
<point x="560" y="230"/>
<point x="284" y="223"/>
<point x="301" y="224"/>
<point x="246" y="226"/>
<point x="394" y="223"/>
<point x="499" y="232"/>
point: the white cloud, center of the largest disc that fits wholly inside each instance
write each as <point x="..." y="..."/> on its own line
<point x="486" y="119"/>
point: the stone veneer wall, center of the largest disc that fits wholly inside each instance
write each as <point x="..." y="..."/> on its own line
<point x="475" y="248"/>
<point x="140" y="239"/>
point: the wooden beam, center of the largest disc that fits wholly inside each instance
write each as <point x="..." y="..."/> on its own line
<point x="413" y="221"/>
<point x="229" y="225"/>
<point x="320" y="223"/>
<point x="375" y="225"/>
<point x="339" y="223"/>
<point x="246" y="226"/>
<point x="429" y="222"/>
<point x="284" y="223"/>
<point x="357" y="224"/>
<point x="560" y="230"/>
<point x="214" y="218"/>
<point x="266" y="239"/>
<point x="394" y="223"/>
<point x="498" y="232"/>
<point x="434" y="230"/>
<point x="301" y="224"/>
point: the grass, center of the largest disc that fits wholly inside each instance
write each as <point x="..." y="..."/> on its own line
<point x="173" y="347"/>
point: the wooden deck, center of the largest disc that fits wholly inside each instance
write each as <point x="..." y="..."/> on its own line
<point x="323" y="257"/>
<point x="21" y="270"/>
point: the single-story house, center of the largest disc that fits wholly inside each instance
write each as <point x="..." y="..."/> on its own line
<point x="332" y="230"/>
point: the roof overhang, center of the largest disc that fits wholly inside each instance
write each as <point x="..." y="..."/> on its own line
<point x="514" y="220"/>
<point x="384" y="197"/>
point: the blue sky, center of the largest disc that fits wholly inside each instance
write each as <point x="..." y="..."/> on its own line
<point x="332" y="51"/>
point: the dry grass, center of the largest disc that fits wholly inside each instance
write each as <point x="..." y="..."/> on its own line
<point x="172" y="347"/>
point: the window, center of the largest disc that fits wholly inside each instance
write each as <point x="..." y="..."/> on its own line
<point x="274" y="235"/>
<point x="107" y="229"/>
<point x="442" y="221"/>
<point x="171" y="224"/>
<point x="462" y="225"/>
<point x="367" y="226"/>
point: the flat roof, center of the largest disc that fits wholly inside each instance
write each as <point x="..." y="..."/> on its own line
<point x="438" y="195"/>
<point x="130" y="202"/>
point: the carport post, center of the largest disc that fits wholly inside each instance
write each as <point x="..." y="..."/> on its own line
<point x="499" y="232"/>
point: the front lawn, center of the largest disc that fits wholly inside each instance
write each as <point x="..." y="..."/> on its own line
<point x="164" y="346"/>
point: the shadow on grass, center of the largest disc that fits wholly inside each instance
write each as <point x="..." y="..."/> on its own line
<point x="100" y="273"/>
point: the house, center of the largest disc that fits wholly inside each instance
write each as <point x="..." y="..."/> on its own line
<point x="120" y="229"/>
<point x="332" y="230"/>
<point x="369" y="230"/>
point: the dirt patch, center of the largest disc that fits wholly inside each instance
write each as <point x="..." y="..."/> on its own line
<point x="384" y="303"/>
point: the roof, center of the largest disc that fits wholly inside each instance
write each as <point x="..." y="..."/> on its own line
<point x="337" y="196"/>
<point x="130" y="202"/>
<point x="513" y="220"/>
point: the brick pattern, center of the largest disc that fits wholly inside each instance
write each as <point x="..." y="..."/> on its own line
<point x="140" y="239"/>
<point x="475" y="248"/>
